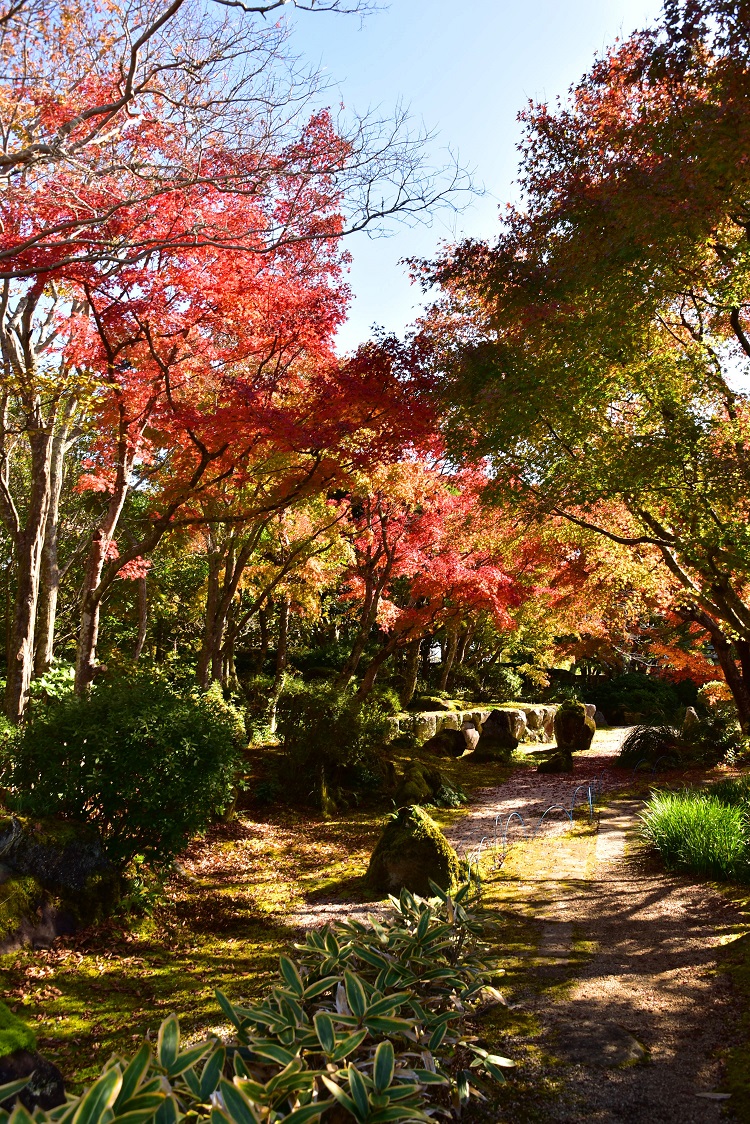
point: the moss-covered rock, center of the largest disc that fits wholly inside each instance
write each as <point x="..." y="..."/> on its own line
<point x="560" y="762"/>
<point x="61" y="855"/>
<point x="411" y="851"/>
<point x="55" y="878"/>
<point x="419" y="785"/>
<point x="20" y="898"/>
<point x="574" y="730"/>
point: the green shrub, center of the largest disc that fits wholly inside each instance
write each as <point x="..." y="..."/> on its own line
<point x="328" y="736"/>
<point x="698" y="832"/>
<point x="649" y="744"/>
<point x="145" y="764"/>
<point x="366" y="1025"/>
<point x="736" y="793"/>
<point x="654" y="701"/>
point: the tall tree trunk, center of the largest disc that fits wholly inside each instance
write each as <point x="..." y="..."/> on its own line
<point x="281" y="657"/>
<point x="411" y="674"/>
<point x="50" y="579"/>
<point x="100" y="552"/>
<point x="210" y="645"/>
<point x="451" y="644"/>
<point x="142" y="610"/>
<point x="265" y="638"/>
<point x="737" y="682"/>
<point x="29" y="545"/>
<point x="374" y="666"/>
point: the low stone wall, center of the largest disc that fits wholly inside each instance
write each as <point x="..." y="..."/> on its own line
<point x="425" y="724"/>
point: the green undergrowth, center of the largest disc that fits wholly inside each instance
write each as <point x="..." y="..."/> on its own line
<point x="14" y="1033"/>
<point x="220" y="923"/>
<point x="19" y="898"/>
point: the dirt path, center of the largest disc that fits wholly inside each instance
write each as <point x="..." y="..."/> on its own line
<point x="531" y="794"/>
<point x="630" y="1010"/>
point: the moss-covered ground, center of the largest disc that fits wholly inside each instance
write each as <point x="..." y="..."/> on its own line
<point x="222" y="923"/>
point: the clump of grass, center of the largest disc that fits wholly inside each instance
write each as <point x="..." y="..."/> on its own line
<point x="700" y="833"/>
<point x="736" y="793"/>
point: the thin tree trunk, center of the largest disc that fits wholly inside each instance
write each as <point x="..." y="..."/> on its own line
<point x="281" y="658"/>
<point x="50" y="579"/>
<point x="412" y="673"/>
<point x="374" y="666"/>
<point x="29" y="545"/>
<point x="448" y="656"/>
<point x="206" y="658"/>
<point x="265" y="638"/>
<point x="142" y="609"/>
<point x="99" y="553"/>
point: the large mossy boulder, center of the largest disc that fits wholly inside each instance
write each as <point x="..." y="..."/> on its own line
<point x="574" y="729"/>
<point x="418" y="785"/>
<point x="497" y="738"/>
<point x="19" y="1059"/>
<point x="412" y="851"/>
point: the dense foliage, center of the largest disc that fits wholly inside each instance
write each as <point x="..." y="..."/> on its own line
<point x="331" y="738"/>
<point x="598" y="351"/>
<point x="144" y="763"/>
<point x="369" y="1018"/>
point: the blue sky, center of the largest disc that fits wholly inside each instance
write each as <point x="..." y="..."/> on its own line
<point x="465" y="70"/>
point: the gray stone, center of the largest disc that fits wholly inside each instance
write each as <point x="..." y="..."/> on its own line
<point x="534" y="717"/>
<point x="607" y="1045"/>
<point x="600" y="719"/>
<point x="424" y="726"/>
<point x="447" y="722"/>
<point x="590" y="709"/>
<point x="518" y="719"/>
<point x="471" y="737"/>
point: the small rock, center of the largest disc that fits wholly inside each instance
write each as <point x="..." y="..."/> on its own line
<point x="607" y="1044"/>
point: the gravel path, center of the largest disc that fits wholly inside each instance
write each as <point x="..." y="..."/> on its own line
<point x="654" y="977"/>
<point x="530" y="794"/>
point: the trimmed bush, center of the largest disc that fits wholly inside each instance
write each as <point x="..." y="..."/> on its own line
<point x="146" y="765"/>
<point x="649" y="744"/>
<point x="700" y="833"/>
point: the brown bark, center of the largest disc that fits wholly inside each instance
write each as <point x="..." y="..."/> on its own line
<point x="451" y="646"/>
<point x="50" y="576"/>
<point x="281" y="657"/>
<point x="411" y="674"/>
<point x="142" y="610"/>
<point x="735" y="676"/>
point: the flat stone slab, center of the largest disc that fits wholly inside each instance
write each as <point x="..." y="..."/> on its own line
<point x="607" y="1045"/>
